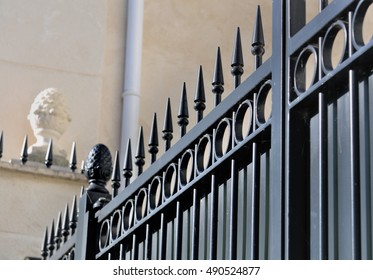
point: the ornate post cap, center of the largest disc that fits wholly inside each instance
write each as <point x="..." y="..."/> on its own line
<point x="98" y="168"/>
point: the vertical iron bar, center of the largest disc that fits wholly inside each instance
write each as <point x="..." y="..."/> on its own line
<point x="254" y="254"/>
<point x="148" y="243"/>
<point x="234" y="211"/>
<point x="355" y="166"/>
<point x="355" y="156"/>
<point x="179" y="230"/>
<point x="323" y="178"/>
<point x="214" y="218"/>
<point x="323" y="165"/>
<point x="163" y="238"/>
<point x="135" y="251"/>
<point x="196" y="225"/>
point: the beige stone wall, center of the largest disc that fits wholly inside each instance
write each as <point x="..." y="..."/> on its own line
<point x="75" y="46"/>
<point x="30" y="197"/>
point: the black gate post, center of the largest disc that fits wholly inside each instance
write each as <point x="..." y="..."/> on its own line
<point x="98" y="168"/>
<point x="277" y="146"/>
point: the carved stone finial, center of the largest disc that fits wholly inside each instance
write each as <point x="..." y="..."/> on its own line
<point x="49" y="117"/>
<point x="98" y="168"/>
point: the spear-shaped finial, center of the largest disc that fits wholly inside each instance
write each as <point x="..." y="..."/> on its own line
<point x="237" y="60"/>
<point x="66" y="224"/>
<point x="44" y="245"/>
<point x="115" y="176"/>
<point x="74" y="216"/>
<point x="24" y="154"/>
<point x="218" y="79"/>
<point x="153" y="140"/>
<point x="51" y="240"/>
<point x="127" y="166"/>
<point x="1" y="144"/>
<point x="58" y="233"/>
<point x="140" y="152"/>
<point x="183" y="111"/>
<point x="72" y="162"/>
<point x="199" y="98"/>
<point x="322" y="4"/>
<point x="167" y="126"/>
<point x="258" y="39"/>
<point x="49" y="155"/>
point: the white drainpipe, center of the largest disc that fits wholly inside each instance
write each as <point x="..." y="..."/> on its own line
<point x="132" y="76"/>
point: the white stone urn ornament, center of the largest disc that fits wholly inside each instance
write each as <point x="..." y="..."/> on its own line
<point x="49" y="117"/>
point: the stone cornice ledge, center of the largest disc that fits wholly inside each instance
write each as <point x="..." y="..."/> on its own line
<point x="39" y="169"/>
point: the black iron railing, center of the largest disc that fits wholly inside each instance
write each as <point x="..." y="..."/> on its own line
<point x="279" y="169"/>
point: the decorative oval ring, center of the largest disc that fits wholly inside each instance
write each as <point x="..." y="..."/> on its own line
<point x="186" y="168"/>
<point x="264" y="94"/>
<point x="170" y="181"/>
<point x="300" y="70"/>
<point x="357" y="23"/>
<point x="141" y="203"/>
<point x="127" y="215"/>
<point x="115" y="225"/>
<point x="104" y="234"/>
<point x="155" y="193"/>
<point x="244" y="111"/>
<point x="222" y="146"/>
<point x="204" y="155"/>
<point x="327" y="46"/>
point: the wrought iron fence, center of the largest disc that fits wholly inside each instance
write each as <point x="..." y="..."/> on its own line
<point x="280" y="169"/>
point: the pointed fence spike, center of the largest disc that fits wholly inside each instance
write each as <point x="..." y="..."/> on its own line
<point x="115" y="176"/>
<point x="167" y="126"/>
<point x="323" y="4"/>
<point x="218" y="79"/>
<point x="81" y="191"/>
<point x="82" y="167"/>
<point x="58" y="232"/>
<point x="51" y="240"/>
<point x="49" y="155"/>
<point x="72" y="162"/>
<point x="183" y="111"/>
<point x="127" y="166"/>
<point x="1" y="144"/>
<point x="24" y="154"/>
<point x="66" y="224"/>
<point x="44" y="245"/>
<point x="140" y="152"/>
<point x="237" y="60"/>
<point x="153" y="140"/>
<point x="74" y="216"/>
<point x="258" y="40"/>
<point x="200" y="98"/>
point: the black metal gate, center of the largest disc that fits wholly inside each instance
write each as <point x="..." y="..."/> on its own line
<point x="280" y="169"/>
